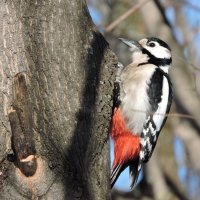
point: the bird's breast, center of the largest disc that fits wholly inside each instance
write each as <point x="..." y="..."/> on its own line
<point x="134" y="99"/>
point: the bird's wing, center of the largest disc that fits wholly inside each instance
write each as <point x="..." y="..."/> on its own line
<point x="161" y="103"/>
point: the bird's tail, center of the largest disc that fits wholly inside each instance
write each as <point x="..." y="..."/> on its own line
<point x="134" y="171"/>
<point x="116" y="172"/>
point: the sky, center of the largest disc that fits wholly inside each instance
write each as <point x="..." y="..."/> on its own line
<point x="192" y="14"/>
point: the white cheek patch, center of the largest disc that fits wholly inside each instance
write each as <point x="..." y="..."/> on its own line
<point x="159" y="51"/>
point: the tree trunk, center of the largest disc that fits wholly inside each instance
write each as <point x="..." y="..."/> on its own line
<point x="56" y="86"/>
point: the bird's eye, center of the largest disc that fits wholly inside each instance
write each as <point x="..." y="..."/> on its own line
<point x="152" y="44"/>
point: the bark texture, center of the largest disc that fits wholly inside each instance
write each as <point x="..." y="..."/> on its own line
<point x="163" y="177"/>
<point x="70" y="69"/>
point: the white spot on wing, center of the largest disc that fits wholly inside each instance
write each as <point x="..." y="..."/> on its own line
<point x="154" y="139"/>
<point x="148" y="118"/>
<point x="149" y="145"/>
<point x="153" y="131"/>
<point x="145" y="131"/>
<point x="143" y="142"/>
<point x="141" y="155"/>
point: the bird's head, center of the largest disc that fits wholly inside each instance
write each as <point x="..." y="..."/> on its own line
<point x="156" y="50"/>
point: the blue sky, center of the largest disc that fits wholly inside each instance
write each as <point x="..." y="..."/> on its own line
<point x="96" y="15"/>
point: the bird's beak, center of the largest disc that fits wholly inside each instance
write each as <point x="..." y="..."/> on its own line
<point x="134" y="45"/>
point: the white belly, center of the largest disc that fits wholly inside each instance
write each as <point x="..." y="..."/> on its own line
<point x="134" y="98"/>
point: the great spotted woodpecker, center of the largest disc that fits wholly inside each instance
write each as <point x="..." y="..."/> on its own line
<point x="145" y="97"/>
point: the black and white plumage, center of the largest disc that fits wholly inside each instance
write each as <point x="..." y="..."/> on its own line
<point x="145" y="95"/>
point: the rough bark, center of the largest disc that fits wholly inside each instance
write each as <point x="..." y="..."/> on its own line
<point x="70" y="69"/>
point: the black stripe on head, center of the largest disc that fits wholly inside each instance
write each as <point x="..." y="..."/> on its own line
<point x="156" y="61"/>
<point x="161" y="42"/>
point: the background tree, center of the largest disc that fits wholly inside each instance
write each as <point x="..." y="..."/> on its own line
<point x="173" y="171"/>
<point x="56" y="84"/>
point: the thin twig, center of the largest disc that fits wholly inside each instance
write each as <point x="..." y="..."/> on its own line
<point x="180" y="115"/>
<point x="169" y="114"/>
<point x="115" y="23"/>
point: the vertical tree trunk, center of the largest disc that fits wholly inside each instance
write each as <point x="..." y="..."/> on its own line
<point x="59" y="105"/>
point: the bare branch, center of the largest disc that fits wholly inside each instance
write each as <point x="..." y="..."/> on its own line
<point x="156" y="178"/>
<point x="115" y="23"/>
<point x="191" y="140"/>
<point x="168" y="115"/>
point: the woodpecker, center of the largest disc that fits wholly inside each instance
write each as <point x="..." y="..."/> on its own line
<point x="143" y="102"/>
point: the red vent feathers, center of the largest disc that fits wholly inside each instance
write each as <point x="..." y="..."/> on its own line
<point x="127" y="145"/>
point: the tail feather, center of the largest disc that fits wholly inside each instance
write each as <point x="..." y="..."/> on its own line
<point x="115" y="173"/>
<point x="134" y="170"/>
